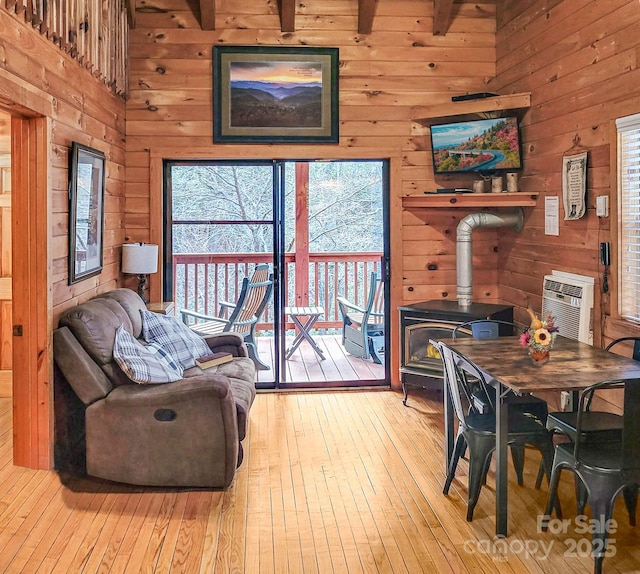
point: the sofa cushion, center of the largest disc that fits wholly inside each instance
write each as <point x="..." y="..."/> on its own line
<point x="94" y="324"/>
<point x="149" y="364"/>
<point x="183" y="344"/>
<point x="131" y="302"/>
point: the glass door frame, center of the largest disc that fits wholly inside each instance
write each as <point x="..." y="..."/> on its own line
<point x="281" y="383"/>
<point x="280" y="290"/>
<point x="167" y="254"/>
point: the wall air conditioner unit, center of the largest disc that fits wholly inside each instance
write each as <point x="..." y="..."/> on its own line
<point x="569" y="298"/>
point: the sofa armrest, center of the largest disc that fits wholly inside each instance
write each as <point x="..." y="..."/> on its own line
<point x="228" y="342"/>
<point x="81" y="371"/>
<point x="175" y="434"/>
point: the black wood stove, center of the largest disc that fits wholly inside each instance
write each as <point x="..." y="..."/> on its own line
<point x="420" y="364"/>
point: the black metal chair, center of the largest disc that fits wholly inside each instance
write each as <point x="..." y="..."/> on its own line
<point x="635" y="355"/>
<point x="596" y="425"/>
<point x="478" y="431"/>
<point x="605" y="468"/>
<point x="526" y="404"/>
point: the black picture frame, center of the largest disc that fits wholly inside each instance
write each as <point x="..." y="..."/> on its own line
<point x="256" y="113"/>
<point x="86" y="212"/>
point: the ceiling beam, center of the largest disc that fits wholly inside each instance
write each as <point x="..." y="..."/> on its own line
<point x="366" y="12"/>
<point x="287" y="10"/>
<point x="441" y="16"/>
<point x="131" y="13"/>
<point x="208" y="14"/>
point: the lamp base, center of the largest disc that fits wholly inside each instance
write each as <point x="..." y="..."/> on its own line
<point x="142" y="287"/>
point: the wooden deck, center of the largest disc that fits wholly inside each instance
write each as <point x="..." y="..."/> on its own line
<point x="332" y="482"/>
<point x="305" y="366"/>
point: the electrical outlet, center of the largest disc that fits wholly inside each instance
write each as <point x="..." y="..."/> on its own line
<point x="565" y="400"/>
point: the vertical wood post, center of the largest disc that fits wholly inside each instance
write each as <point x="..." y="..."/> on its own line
<point x="302" y="234"/>
<point x="32" y="357"/>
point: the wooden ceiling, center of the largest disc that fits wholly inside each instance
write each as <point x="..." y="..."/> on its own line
<point x="442" y="10"/>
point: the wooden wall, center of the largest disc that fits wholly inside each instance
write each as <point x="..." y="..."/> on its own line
<point x="62" y="102"/>
<point x="382" y="75"/>
<point x="579" y="60"/>
<point x="81" y="109"/>
<point x="92" y="32"/>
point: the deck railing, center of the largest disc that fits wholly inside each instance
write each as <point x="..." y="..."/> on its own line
<point x="203" y="281"/>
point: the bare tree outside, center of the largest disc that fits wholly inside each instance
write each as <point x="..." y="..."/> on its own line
<point x="217" y="207"/>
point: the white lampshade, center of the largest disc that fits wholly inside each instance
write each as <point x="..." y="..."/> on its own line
<point x="139" y="258"/>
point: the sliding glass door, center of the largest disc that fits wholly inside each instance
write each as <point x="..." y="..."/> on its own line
<point x="319" y="226"/>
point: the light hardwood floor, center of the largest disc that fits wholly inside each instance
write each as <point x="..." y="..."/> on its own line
<point x="332" y="482"/>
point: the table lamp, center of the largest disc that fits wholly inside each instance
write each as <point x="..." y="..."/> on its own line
<point x="140" y="259"/>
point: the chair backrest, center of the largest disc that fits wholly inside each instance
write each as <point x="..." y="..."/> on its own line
<point x="486" y="328"/>
<point x="252" y="300"/>
<point x="458" y="372"/>
<point x="260" y="273"/>
<point x="375" y="299"/>
<point x="377" y="295"/>
<point x="636" y="346"/>
<point x="635" y="356"/>
<point x="631" y="419"/>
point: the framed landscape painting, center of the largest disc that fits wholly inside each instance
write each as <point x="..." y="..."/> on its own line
<point x="275" y="94"/>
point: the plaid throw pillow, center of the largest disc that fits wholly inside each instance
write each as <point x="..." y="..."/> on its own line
<point x="183" y="344"/>
<point x="144" y="364"/>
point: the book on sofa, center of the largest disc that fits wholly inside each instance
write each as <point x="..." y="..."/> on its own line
<point x="213" y="360"/>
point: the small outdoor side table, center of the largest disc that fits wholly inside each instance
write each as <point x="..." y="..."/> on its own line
<point x="304" y="329"/>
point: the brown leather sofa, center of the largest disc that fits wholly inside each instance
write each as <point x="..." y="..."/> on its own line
<point x="184" y="433"/>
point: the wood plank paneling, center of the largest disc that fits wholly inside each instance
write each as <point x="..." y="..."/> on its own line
<point x="92" y="32"/>
<point x="579" y="85"/>
<point x="67" y="104"/>
<point x="579" y="60"/>
<point x="382" y="75"/>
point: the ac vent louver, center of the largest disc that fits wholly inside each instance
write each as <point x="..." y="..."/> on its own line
<point x="569" y="298"/>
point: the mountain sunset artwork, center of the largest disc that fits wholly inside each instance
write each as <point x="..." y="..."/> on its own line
<point x="274" y="93"/>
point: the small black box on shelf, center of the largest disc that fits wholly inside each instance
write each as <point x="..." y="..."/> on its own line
<point x="476" y="96"/>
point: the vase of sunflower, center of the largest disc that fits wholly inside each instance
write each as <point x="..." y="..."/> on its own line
<point x="539" y="337"/>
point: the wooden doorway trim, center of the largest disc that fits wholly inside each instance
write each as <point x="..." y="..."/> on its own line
<point x="32" y="357"/>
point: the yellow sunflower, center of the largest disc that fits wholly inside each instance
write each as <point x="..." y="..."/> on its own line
<point x="542" y="337"/>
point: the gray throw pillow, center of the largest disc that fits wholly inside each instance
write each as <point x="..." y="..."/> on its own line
<point x="144" y="364"/>
<point x="183" y="344"/>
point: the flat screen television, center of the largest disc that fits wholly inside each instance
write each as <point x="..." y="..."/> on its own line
<point x="484" y="146"/>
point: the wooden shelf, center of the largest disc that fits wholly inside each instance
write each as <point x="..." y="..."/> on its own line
<point x="469" y="109"/>
<point x="517" y="199"/>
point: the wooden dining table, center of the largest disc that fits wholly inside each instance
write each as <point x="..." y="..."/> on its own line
<point x="573" y="366"/>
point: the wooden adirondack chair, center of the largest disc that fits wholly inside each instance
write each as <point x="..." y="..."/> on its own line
<point x="240" y="317"/>
<point x="363" y="327"/>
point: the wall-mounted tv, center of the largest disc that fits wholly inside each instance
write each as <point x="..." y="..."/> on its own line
<point x="485" y="146"/>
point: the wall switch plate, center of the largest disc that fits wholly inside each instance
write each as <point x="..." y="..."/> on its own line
<point x="565" y="401"/>
<point x="602" y="206"/>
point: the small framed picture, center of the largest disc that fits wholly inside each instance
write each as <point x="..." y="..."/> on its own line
<point x="86" y="212"/>
<point x="264" y="94"/>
